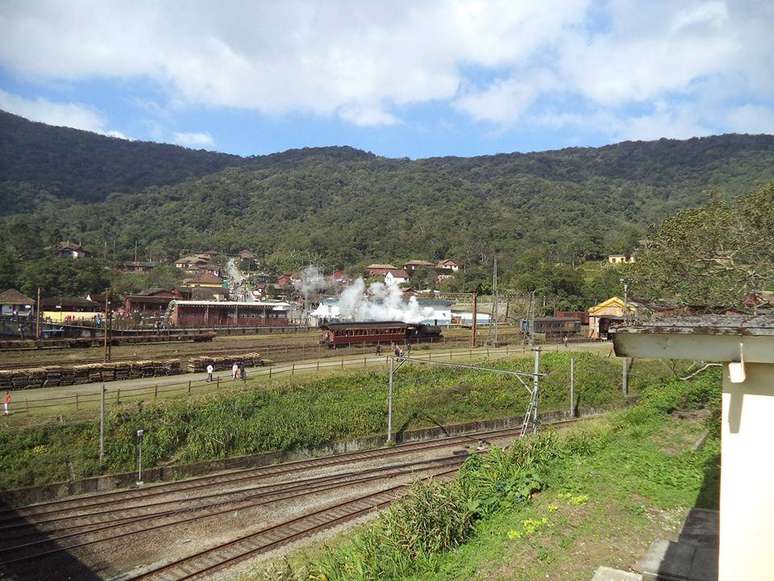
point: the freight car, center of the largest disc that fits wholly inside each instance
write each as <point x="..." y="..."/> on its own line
<point x="377" y="333"/>
<point x="553" y="327"/>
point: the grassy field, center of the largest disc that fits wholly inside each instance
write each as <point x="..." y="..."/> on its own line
<point x="288" y="415"/>
<point x="553" y="507"/>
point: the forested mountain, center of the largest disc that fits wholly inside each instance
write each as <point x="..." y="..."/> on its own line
<point x="340" y="206"/>
<point x="38" y="159"/>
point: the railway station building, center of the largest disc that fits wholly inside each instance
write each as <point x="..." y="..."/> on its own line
<point x="228" y="314"/>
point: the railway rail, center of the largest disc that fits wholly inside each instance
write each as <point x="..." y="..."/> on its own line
<point x="33" y="533"/>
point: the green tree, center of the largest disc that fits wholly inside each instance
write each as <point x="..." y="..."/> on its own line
<point x="711" y="257"/>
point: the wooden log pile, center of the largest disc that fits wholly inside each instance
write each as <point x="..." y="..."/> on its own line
<point x="90" y="373"/>
<point x="199" y="364"/>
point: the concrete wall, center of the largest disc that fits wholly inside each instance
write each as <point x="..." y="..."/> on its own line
<point x="747" y="476"/>
<point x="23" y="496"/>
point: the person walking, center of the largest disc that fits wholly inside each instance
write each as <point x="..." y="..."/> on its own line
<point x="242" y="372"/>
<point x="210" y="369"/>
<point x="6" y="402"/>
<point x="564" y="340"/>
<point x="235" y="371"/>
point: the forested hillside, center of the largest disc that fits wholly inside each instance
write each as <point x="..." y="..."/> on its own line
<point x="341" y="206"/>
<point x="40" y="160"/>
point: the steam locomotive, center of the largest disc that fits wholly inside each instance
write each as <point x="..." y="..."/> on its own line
<point x="377" y="333"/>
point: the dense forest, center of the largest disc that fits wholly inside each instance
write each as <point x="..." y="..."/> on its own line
<point x="343" y="207"/>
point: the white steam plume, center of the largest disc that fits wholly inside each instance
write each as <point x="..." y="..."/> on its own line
<point x="312" y="280"/>
<point x="383" y="302"/>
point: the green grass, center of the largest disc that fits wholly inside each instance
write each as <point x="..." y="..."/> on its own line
<point x="551" y="507"/>
<point x="287" y="416"/>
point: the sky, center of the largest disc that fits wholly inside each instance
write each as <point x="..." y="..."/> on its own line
<point x="398" y="78"/>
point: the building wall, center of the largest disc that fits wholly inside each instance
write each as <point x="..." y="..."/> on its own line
<point x="226" y="316"/>
<point x="747" y="476"/>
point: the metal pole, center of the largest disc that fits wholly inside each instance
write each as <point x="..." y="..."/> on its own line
<point x="625" y="377"/>
<point x="37" y="317"/>
<point x="102" y="424"/>
<point x="475" y="319"/>
<point x="572" y="387"/>
<point x="140" y="434"/>
<point x="389" y="401"/>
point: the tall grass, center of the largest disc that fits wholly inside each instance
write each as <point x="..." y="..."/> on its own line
<point x="291" y="416"/>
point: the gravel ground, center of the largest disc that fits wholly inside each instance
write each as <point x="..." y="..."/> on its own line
<point x="138" y="552"/>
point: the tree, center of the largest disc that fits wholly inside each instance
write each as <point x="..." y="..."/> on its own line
<point x="711" y="257"/>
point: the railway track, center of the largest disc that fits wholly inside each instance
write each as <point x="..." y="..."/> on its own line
<point x="205" y="563"/>
<point x="44" y="544"/>
<point x="31" y="536"/>
<point x="10" y="515"/>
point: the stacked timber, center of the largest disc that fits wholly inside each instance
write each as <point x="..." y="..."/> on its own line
<point x="89" y="373"/>
<point x="199" y="364"/>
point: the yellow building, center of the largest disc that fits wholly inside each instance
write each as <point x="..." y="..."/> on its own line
<point x="608" y="312"/>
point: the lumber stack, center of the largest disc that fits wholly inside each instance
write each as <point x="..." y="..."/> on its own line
<point x="89" y="373"/>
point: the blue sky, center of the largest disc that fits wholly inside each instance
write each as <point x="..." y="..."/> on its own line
<point x="396" y="78"/>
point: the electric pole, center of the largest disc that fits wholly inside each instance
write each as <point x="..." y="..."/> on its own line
<point x="37" y="317"/>
<point x="475" y="320"/>
<point x="493" y="320"/>
<point x="108" y="322"/>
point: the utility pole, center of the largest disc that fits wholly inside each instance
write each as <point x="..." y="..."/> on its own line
<point x="493" y="320"/>
<point x="102" y="424"/>
<point x="625" y="376"/>
<point x="389" y="401"/>
<point x="37" y="317"/>
<point x="530" y="423"/>
<point x="626" y="301"/>
<point x="531" y="321"/>
<point x="572" y="387"/>
<point x="108" y="322"/>
<point x="475" y="320"/>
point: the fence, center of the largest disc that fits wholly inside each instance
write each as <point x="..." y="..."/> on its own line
<point x="85" y="403"/>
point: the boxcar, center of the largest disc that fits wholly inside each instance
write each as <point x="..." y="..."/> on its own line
<point x="378" y="332"/>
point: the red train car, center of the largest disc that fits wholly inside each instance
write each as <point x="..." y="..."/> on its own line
<point x="379" y="332"/>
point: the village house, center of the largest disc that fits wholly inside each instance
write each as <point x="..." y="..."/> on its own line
<point x="374" y="270"/>
<point x="15" y="304"/>
<point x="67" y="249"/>
<point x="136" y="266"/>
<point x="447" y="266"/>
<point x="153" y="301"/>
<point x="413" y="266"/>
<point x="396" y="276"/>
<point x="620" y="259"/>
<point x="197" y="263"/>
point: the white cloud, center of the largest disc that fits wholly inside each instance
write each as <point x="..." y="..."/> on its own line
<point x="72" y="115"/>
<point x="638" y="64"/>
<point x="752" y="119"/>
<point x="194" y="140"/>
<point x="505" y="101"/>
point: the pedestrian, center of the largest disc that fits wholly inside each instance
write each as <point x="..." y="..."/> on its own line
<point x="378" y="348"/>
<point x="564" y="340"/>
<point x="242" y="372"/>
<point x="397" y="352"/>
<point x="210" y="369"/>
<point x="6" y="401"/>
<point x="235" y="371"/>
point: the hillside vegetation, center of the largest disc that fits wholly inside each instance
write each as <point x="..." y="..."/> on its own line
<point x="340" y="206"/>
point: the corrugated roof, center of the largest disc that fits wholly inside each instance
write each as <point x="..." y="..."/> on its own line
<point x="706" y="325"/>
